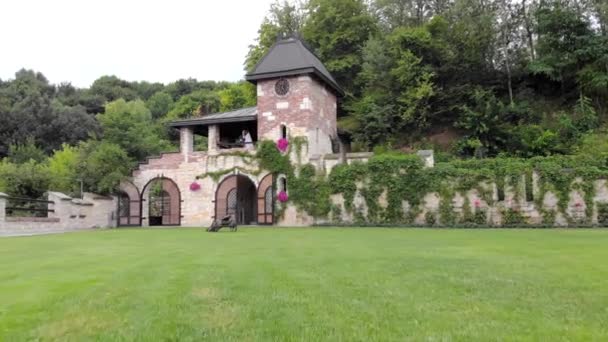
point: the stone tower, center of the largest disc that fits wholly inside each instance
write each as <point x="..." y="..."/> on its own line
<point x="296" y="96"/>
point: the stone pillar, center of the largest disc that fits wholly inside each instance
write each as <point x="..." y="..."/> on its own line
<point x="61" y="206"/>
<point x="427" y="157"/>
<point x="3" y="197"/>
<point x="213" y="138"/>
<point x="186" y="141"/>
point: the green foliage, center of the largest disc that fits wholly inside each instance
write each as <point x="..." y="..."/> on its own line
<point x="237" y="95"/>
<point x="284" y="19"/>
<point x="337" y="30"/>
<point x="130" y="126"/>
<point x="28" y="179"/>
<point x="112" y="88"/>
<point x="103" y="165"/>
<point x="512" y="217"/>
<point x="548" y="217"/>
<point x="20" y="154"/>
<point x="430" y="218"/>
<point x="602" y="214"/>
<point x="197" y="103"/>
<point x="160" y="104"/>
<point x="63" y="170"/>
<point x="480" y="218"/>
<point x="467" y="214"/>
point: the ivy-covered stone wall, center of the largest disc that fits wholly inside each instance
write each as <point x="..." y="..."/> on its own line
<point x="397" y="189"/>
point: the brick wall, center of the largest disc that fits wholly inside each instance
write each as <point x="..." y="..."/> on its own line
<point x="309" y="110"/>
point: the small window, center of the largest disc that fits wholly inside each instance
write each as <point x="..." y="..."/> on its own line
<point x="283" y="132"/>
<point x="283" y="184"/>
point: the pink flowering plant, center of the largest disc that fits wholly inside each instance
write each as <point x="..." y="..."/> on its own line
<point x="282" y="145"/>
<point x="195" y="186"/>
<point x="282" y="196"/>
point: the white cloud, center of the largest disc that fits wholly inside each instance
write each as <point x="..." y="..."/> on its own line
<point x="157" y="41"/>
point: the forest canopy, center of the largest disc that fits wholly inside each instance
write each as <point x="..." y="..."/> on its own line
<point x="468" y="78"/>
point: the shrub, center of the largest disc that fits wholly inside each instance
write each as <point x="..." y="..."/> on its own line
<point x="480" y="217"/>
<point x="602" y="214"/>
<point x="430" y="218"/>
<point x="511" y="217"/>
<point x="548" y="217"/>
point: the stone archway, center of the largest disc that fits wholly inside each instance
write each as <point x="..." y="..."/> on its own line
<point x="265" y="202"/>
<point x="128" y="213"/>
<point x="161" y="202"/>
<point x="236" y="195"/>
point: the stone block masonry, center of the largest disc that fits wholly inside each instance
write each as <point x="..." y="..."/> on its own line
<point x="69" y="214"/>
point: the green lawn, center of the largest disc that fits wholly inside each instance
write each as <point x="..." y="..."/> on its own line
<point x="263" y="284"/>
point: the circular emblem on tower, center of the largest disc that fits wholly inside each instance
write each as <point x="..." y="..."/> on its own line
<point x="281" y="87"/>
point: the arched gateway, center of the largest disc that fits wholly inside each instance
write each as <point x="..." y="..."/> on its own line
<point x="129" y="206"/>
<point x="161" y="203"/>
<point x="237" y="195"/>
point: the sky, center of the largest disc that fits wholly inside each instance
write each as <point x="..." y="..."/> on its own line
<point x="78" y="41"/>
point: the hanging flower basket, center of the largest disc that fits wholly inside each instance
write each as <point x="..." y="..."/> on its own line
<point x="282" y="145"/>
<point x="282" y="197"/>
<point x="195" y="186"/>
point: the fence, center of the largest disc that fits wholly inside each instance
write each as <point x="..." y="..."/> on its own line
<point x="27" y="207"/>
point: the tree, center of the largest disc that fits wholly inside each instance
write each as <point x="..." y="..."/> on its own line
<point x="197" y="103"/>
<point x="63" y="168"/>
<point x="483" y="119"/>
<point x="113" y="88"/>
<point x="29" y="179"/>
<point x="337" y="31"/>
<point x="28" y="109"/>
<point x="562" y="34"/>
<point x="130" y="126"/>
<point x="284" y="19"/>
<point x="410" y="13"/>
<point x="22" y="153"/>
<point x="159" y="104"/>
<point x="103" y="165"/>
<point x="237" y="95"/>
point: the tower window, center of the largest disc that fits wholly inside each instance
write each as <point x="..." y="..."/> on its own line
<point x="281" y="87"/>
<point x="283" y="131"/>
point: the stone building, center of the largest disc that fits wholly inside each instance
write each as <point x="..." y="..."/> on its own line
<point x="296" y="97"/>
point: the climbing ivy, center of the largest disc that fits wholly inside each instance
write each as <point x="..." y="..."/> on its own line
<point x="389" y="180"/>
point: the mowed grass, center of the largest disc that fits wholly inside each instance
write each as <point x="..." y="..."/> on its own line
<point x="268" y="284"/>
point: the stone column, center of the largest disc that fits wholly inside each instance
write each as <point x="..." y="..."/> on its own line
<point x="186" y="141"/>
<point x="213" y="138"/>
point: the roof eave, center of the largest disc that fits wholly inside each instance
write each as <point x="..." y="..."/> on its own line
<point x="206" y="122"/>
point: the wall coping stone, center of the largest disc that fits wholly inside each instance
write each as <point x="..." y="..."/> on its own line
<point x="361" y="155"/>
<point x="78" y="201"/>
<point x="32" y="219"/>
<point x="60" y="195"/>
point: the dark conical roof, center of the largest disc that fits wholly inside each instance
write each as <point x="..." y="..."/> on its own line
<point x="290" y="57"/>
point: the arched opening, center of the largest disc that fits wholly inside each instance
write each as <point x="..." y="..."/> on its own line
<point x="236" y="196"/>
<point x="162" y="202"/>
<point x="283" y="132"/>
<point x="128" y="212"/>
<point x="266" y="200"/>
